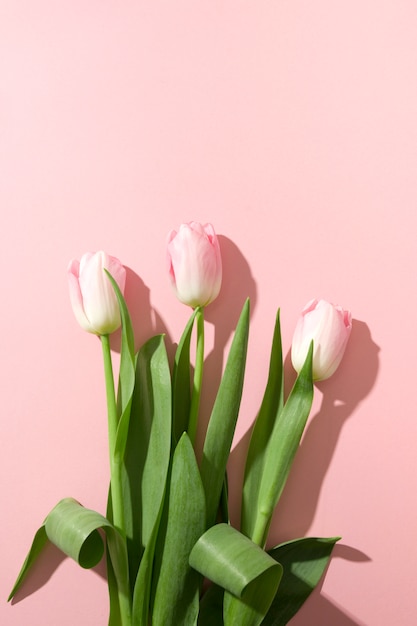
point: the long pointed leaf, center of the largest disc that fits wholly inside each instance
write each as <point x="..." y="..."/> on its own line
<point x="126" y="372"/>
<point x="271" y="405"/>
<point x="147" y="462"/>
<point x="304" y="561"/>
<point x="148" y="448"/>
<point x="176" y="599"/>
<point x="115" y="618"/>
<point x="282" y="447"/>
<point x="39" y="542"/>
<point x="223" y="418"/>
<point x="143" y="584"/>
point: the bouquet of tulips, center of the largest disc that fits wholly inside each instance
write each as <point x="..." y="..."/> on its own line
<point x="173" y="558"/>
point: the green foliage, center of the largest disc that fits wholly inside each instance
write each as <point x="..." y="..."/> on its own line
<point x="304" y="562"/>
<point x="272" y="403"/>
<point x="249" y="575"/>
<point x="39" y="541"/>
<point x="223" y="418"/>
<point x="181" y="383"/>
<point x="177" y="589"/>
<point x="74" y="530"/>
<point x="280" y="451"/>
<point x="146" y="466"/>
<point x="167" y="540"/>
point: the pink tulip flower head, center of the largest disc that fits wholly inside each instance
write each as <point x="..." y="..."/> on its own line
<point x="93" y="299"/>
<point x="329" y="327"/>
<point x="194" y="263"/>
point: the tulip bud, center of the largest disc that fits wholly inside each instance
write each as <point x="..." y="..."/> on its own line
<point x="329" y="327"/>
<point x="93" y="299"/>
<point x="195" y="265"/>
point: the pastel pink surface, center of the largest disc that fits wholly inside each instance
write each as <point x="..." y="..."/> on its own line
<point x="291" y="127"/>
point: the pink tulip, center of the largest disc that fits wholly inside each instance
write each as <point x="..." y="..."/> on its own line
<point x="329" y="326"/>
<point x="92" y="295"/>
<point x="195" y="264"/>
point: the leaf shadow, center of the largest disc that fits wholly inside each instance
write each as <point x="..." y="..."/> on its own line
<point x="45" y="566"/>
<point x="318" y="610"/>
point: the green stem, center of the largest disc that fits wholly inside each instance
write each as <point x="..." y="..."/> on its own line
<point x="198" y="376"/>
<point x="115" y="461"/>
<point x="260" y="531"/>
<point x="116" y="489"/>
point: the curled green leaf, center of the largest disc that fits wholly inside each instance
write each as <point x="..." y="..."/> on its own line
<point x="39" y="542"/>
<point x="74" y="530"/>
<point x="232" y="561"/>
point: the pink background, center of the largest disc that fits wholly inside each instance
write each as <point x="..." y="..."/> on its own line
<point x="292" y="127"/>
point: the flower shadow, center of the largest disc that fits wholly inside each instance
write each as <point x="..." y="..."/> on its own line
<point x="223" y="314"/>
<point x="146" y="321"/>
<point x="341" y="394"/>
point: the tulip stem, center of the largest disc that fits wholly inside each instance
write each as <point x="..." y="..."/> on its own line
<point x="116" y="488"/>
<point x="115" y="462"/>
<point x="198" y="376"/>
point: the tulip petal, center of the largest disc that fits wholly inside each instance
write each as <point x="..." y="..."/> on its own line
<point x="329" y="327"/>
<point x="76" y="298"/>
<point x="194" y="263"/>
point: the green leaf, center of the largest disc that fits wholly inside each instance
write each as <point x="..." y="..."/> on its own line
<point x="142" y="590"/>
<point x="39" y="542"/>
<point x="232" y="561"/>
<point x="282" y="447"/>
<point x="115" y="618"/>
<point x="223" y="418"/>
<point x="271" y="405"/>
<point x="181" y="383"/>
<point x="304" y="561"/>
<point x="126" y="372"/>
<point x="211" y="607"/>
<point x="224" y="501"/>
<point x="176" y="599"/>
<point x="74" y="530"/>
<point x="148" y="449"/>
